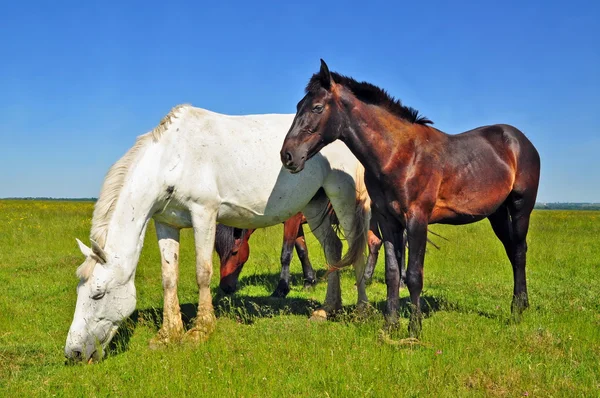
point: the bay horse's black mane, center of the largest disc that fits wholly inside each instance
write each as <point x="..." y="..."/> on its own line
<point x="371" y="94"/>
<point x="225" y="238"/>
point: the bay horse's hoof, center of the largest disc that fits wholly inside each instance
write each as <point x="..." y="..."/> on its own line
<point x="519" y="304"/>
<point x="392" y="321"/>
<point x="310" y="284"/>
<point x="414" y="327"/>
<point x="319" y="315"/>
<point x="281" y="292"/>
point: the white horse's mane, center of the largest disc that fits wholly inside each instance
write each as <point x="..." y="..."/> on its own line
<point x="113" y="183"/>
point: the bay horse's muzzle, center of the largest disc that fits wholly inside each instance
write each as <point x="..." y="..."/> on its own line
<point x="288" y="161"/>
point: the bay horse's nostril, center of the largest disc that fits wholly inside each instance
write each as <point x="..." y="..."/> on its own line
<point x="288" y="157"/>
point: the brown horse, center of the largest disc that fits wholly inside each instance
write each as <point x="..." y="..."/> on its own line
<point x="231" y="244"/>
<point x="233" y="249"/>
<point x="417" y="175"/>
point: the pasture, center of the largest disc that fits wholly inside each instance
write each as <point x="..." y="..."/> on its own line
<point x="267" y="347"/>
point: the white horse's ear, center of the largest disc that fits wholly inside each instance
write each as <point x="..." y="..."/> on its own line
<point x="99" y="252"/>
<point x="86" y="251"/>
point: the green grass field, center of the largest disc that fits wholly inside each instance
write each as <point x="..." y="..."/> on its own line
<point x="267" y="347"/>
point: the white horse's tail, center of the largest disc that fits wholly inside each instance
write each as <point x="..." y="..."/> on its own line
<point x="358" y="235"/>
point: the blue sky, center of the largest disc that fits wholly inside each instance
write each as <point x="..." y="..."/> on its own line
<point x="79" y="81"/>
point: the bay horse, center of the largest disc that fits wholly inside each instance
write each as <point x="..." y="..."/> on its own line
<point x="417" y="175"/>
<point x="233" y="249"/>
<point x="197" y="168"/>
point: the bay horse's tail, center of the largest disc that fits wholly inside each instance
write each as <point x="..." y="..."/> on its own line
<point x="358" y="236"/>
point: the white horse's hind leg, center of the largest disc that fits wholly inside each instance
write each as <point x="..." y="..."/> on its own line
<point x="168" y="243"/>
<point x="204" y="222"/>
<point x="343" y="200"/>
<point x="319" y="221"/>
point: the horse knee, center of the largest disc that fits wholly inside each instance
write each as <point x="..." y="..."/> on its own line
<point x="414" y="280"/>
<point x="286" y="257"/>
<point x="169" y="282"/>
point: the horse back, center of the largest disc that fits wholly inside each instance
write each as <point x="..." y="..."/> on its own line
<point x="481" y="168"/>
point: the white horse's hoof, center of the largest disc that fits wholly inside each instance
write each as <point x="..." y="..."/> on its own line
<point x="319" y="315"/>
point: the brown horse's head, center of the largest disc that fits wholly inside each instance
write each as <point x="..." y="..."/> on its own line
<point x="233" y="250"/>
<point x="316" y="112"/>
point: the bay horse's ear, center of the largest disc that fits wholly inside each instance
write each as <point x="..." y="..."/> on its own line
<point x="238" y="242"/>
<point x="325" y="76"/>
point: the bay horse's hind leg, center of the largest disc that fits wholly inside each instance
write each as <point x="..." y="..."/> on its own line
<point x="204" y="222"/>
<point x="168" y="243"/>
<point x="510" y="223"/>
<point x="520" y="209"/>
<point x="290" y="232"/>
<point x="302" y="250"/>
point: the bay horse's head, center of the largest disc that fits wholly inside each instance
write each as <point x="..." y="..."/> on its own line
<point x="318" y="121"/>
<point x="231" y="245"/>
<point x="105" y="297"/>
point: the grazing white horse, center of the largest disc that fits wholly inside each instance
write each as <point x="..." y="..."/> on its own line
<point x="197" y="168"/>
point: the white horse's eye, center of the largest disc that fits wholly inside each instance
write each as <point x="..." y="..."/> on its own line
<point x="98" y="295"/>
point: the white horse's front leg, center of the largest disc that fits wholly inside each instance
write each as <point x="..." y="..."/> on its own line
<point x="204" y="222"/>
<point x="168" y="243"/>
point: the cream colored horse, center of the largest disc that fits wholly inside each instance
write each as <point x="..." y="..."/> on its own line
<point x="193" y="170"/>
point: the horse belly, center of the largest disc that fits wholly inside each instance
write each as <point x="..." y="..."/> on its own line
<point x="467" y="204"/>
<point x="175" y="217"/>
<point x="263" y="198"/>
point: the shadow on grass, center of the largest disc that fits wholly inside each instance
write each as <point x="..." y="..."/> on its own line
<point x="243" y="308"/>
<point x="270" y="281"/>
<point x="246" y="309"/>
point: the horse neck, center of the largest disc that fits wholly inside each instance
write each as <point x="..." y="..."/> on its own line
<point x="135" y="205"/>
<point x="374" y="136"/>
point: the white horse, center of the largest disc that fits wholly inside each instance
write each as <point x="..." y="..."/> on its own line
<point x="197" y="168"/>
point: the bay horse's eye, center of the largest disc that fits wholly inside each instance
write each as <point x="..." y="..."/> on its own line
<point x="318" y="108"/>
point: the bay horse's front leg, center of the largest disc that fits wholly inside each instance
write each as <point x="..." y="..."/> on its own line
<point x="417" y="241"/>
<point x="391" y="235"/>
<point x="204" y="222"/>
<point x="168" y="243"/>
<point x="374" y="242"/>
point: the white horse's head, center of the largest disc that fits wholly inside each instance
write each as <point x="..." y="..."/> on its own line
<point x="105" y="296"/>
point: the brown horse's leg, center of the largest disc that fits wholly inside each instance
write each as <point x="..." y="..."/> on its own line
<point x="417" y="240"/>
<point x="290" y="232"/>
<point x="510" y="226"/>
<point x="401" y="255"/>
<point x="302" y="250"/>
<point x="374" y="242"/>
<point x="520" y="209"/>
<point x="390" y="232"/>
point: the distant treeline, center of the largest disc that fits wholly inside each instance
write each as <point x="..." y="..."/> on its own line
<point x="568" y="206"/>
<point x="540" y="206"/>
<point x="56" y="199"/>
